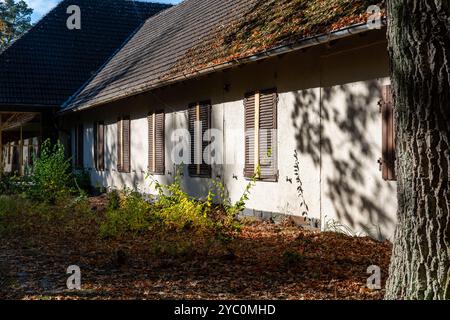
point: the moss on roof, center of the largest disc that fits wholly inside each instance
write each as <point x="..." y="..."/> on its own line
<point x="272" y="23"/>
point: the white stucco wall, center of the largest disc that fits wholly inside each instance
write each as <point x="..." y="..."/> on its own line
<point x="327" y="111"/>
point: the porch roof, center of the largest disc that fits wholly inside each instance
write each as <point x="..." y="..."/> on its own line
<point x="197" y="35"/>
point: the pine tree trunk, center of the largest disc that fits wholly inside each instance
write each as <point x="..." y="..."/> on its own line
<point x="419" y="48"/>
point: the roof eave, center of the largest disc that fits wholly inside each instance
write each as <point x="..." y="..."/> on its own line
<point x="276" y="51"/>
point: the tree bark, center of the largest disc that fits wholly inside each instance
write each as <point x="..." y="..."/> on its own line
<point x="419" y="49"/>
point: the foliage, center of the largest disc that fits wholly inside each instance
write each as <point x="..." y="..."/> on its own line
<point x="15" y="19"/>
<point x="131" y="215"/>
<point x="82" y="181"/>
<point x="13" y="184"/>
<point x="173" y="212"/>
<point x="300" y="191"/>
<point x="50" y="178"/>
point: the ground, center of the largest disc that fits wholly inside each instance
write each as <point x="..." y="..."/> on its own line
<point x="266" y="261"/>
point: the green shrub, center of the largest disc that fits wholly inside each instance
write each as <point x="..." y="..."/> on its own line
<point x="132" y="215"/>
<point x="50" y="177"/>
<point x="113" y="200"/>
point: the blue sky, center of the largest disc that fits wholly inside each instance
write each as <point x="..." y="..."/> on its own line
<point x="41" y="7"/>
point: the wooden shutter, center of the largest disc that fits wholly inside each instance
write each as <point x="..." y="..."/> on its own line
<point x="267" y="134"/>
<point x="260" y="134"/>
<point x="126" y="135"/>
<point x="119" y="144"/>
<point x="249" y="111"/>
<point x="79" y="143"/>
<point x="192" y="117"/>
<point x="99" y="146"/>
<point x="387" y="161"/>
<point x="199" y="112"/>
<point x="156" y="127"/>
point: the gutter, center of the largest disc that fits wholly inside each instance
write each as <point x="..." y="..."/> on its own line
<point x="276" y="51"/>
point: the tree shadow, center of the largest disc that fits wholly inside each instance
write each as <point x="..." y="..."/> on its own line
<point x="340" y="144"/>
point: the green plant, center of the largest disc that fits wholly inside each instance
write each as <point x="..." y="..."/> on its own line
<point x="82" y="181"/>
<point x="132" y="215"/>
<point x="50" y="177"/>
<point x="300" y="191"/>
<point x="113" y="200"/>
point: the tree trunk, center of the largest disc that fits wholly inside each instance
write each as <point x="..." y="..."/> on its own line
<point x="419" y="48"/>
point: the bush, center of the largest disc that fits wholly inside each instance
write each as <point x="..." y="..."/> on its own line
<point x="50" y="177"/>
<point x="132" y="215"/>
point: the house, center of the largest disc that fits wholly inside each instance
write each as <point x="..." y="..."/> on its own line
<point x="233" y="90"/>
<point x="49" y="63"/>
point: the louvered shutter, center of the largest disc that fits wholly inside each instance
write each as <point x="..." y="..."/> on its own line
<point x="192" y="118"/>
<point x="119" y="144"/>
<point x="80" y="147"/>
<point x="156" y="129"/>
<point x="388" y="135"/>
<point x="95" y="134"/>
<point x="101" y="146"/>
<point x="126" y="144"/>
<point x="159" y="145"/>
<point x="199" y="112"/>
<point x="249" y="111"/>
<point x="267" y="134"/>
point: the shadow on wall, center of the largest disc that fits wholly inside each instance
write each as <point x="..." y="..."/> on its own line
<point x="347" y="187"/>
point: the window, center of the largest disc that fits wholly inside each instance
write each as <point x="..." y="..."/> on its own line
<point x="99" y="146"/>
<point x="79" y="146"/>
<point x="199" y="124"/>
<point x="123" y="144"/>
<point x="156" y="142"/>
<point x="387" y="161"/>
<point x="260" y="134"/>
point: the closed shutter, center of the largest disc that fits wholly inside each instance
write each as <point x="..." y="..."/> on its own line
<point x="267" y="134"/>
<point x="249" y="111"/>
<point x="119" y="144"/>
<point x="192" y="115"/>
<point x="261" y="134"/>
<point x="79" y="146"/>
<point x="99" y="146"/>
<point x="126" y="144"/>
<point x="199" y="112"/>
<point x="388" y="135"/>
<point x="156" y="138"/>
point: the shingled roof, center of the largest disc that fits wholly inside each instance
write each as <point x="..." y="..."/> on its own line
<point x="199" y="34"/>
<point x="50" y="63"/>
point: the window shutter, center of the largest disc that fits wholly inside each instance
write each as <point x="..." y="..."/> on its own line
<point x="267" y="134"/>
<point x="119" y="144"/>
<point x="159" y="142"/>
<point x="80" y="147"/>
<point x="192" y="115"/>
<point x="249" y="111"/>
<point x="260" y="134"/>
<point x="388" y="135"/>
<point x="156" y="142"/>
<point x="96" y="144"/>
<point x="199" y="112"/>
<point x="126" y="145"/>
<point x="100" y="146"/>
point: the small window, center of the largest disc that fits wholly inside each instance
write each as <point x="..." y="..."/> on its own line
<point x="99" y="146"/>
<point x="199" y="124"/>
<point x="156" y="142"/>
<point x="261" y="135"/>
<point x="79" y="146"/>
<point x="123" y="144"/>
<point x="387" y="161"/>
